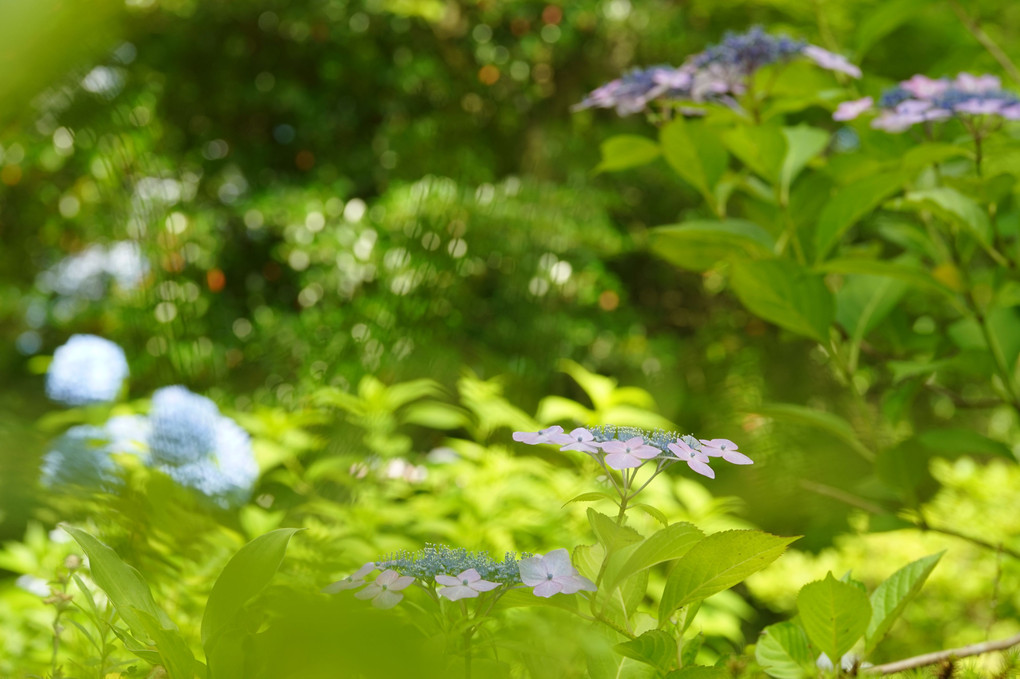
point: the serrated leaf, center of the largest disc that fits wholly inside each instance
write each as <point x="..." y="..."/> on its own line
<point x="716" y="563"/>
<point x="784" y="293"/>
<point x="667" y="544"/>
<point x="782" y="651"/>
<point x="625" y="151"/>
<point x="611" y="535"/>
<point x="653" y="512"/>
<point x="892" y="596"/>
<point x="834" y="615"/>
<point x="849" y="205"/>
<point x="654" y="647"/>
<point x="699" y="245"/>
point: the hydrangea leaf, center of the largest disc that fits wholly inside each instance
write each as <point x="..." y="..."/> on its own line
<point x="849" y="205"/>
<point x="834" y="614"/>
<point x="892" y="596"/>
<point x="783" y="293"/>
<point x="802" y="144"/>
<point x="782" y="651"/>
<point x="716" y="563"/>
<point x="625" y="151"/>
<point x="696" y="154"/>
<point x="654" y="647"/>
<point x="698" y="245"/>
<point x="667" y="544"/>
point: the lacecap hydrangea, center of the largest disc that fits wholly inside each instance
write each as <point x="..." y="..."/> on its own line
<point x="86" y="370"/>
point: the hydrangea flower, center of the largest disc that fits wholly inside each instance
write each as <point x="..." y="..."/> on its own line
<point x="717" y="74"/>
<point x="87" y="274"/>
<point x="80" y="457"/>
<point x="228" y="473"/>
<point x="725" y="449"/>
<point x="541" y="436"/>
<point x="466" y="585"/>
<point x="184" y="426"/>
<point x="629" y="447"/>
<point x="352" y="581"/>
<point x="695" y="459"/>
<point x="86" y="370"/>
<point x="553" y="574"/>
<point x="922" y="99"/>
<point x="630" y="453"/>
<point x="425" y="564"/>
<point x="384" y="591"/>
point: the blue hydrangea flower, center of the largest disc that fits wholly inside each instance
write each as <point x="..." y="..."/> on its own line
<point x="228" y="474"/>
<point x="87" y="274"/>
<point x="85" y="371"/>
<point x="129" y="434"/>
<point x="183" y="426"/>
<point x="80" y="457"/>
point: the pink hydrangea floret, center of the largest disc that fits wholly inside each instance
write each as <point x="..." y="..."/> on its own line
<point x="541" y="436"/>
<point x="579" y="439"/>
<point x="695" y="459"/>
<point x="384" y="592"/>
<point x="466" y="585"/>
<point x="628" y="454"/>
<point x="725" y="449"/>
<point x="553" y="574"/>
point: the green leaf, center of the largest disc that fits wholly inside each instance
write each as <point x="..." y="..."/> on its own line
<point x="699" y="672"/>
<point x="625" y="151"/>
<point x="761" y="148"/>
<point x="696" y="154"/>
<point x="864" y="301"/>
<point x="783" y="293"/>
<point x="924" y="155"/>
<point x="802" y="144"/>
<point x="849" y="205"/>
<point x="716" y="563"/>
<point x="819" y="419"/>
<point x="954" y="206"/>
<point x="954" y="442"/>
<point x="667" y="544"/>
<point x="654" y="647"/>
<point x="699" y="245"/>
<point x="782" y="651"/>
<point x="436" y="415"/>
<point x="911" y="274"/>
<point x="589" y="497"/>
<point x="245" y="575"/>
<point x="834" y="615"/>
<point x="653" y="512"/>
<point x="130" y="595"/>
<point x="892" y="596"/>
<point x="612" y="536"/>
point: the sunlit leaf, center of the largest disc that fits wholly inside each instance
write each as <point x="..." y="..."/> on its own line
<point x="834" y="615"/>
<point x="892" y="596"/>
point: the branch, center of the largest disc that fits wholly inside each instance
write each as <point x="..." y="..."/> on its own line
<point x="938" y="656"/>
<point x="924" y="525"/>
<point x="990" y="45"/>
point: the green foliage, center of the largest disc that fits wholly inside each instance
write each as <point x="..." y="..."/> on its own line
<point x="834" y="615"/>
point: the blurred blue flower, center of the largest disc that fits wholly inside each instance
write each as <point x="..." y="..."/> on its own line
<point x="80" y="458"/>
<point x="228" y="474"/>
<point x="183" y="426"/>
<point x="86" y="274"/>
<point x="86" y="370"/>
<point x="129" y="434"/>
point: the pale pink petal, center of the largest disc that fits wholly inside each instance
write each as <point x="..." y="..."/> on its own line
<point x="401" y="582"/>
<point x="831" y="61"/>
<point x="458" y="592"/>
<point x="387" y="599"/>
<point x="646" y="452"/>
<point x="533" y="570"/>
<point x="575" y="583"/>
<point x="1011" y="112"/>
<point x="622" y="461"/>
<point x="581" y="447"/>
<point x="547" y="589"/>
<point x="849" y="110"/>
<point x="364" y="570"/>
<point x="340" y="585"/>
<point x="733" y="457"/>
<point x="701" y="468"/>
<point x="387" y="577"/>
<point x="369" y="592"/>
<point x="557" y="563"/>
<point x="471" y="575"/>
<point x="448" y="580"/>
<point x="614" y="446"/>
<point x="483" y="586"/>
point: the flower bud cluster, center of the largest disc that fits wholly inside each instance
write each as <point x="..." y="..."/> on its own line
<point x="433" y="560"/>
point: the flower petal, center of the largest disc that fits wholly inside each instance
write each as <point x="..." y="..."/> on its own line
<point x="701" y="468"/>
<point x="533" y="570"/>
<point x="401" y="582"/>
<point x="557" y="563"/>
<point x="387" y="599"/>
<point x="547" y="589"/>
<point x="369" y="592"/>
<point x="458" y="592"/>
<point x="575" y="583"/>
<point x="484" y="586"/>
<point x="622" y="461"/>
<point x="733" y="457"/>
<point x="448" y="580"/>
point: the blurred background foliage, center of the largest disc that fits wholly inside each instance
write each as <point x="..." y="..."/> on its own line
<point x="374" y="236"/>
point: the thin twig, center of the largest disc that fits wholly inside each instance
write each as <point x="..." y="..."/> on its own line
<point x="923" y="525"/>
<point x="939" y="656"/>
<point x="990" y="45"/>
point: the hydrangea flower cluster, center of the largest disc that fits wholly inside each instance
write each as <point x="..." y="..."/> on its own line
<point x="921" y="99"/>
<point x="88" y="273"/>
<point x="719" y="73"/>
<point x="461" y="574"/>
<point x="86" y="370"/>
<point x="184" y="436"/>
<point x="629" y="447"/>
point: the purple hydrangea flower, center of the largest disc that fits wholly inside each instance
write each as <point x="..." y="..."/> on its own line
<point x="922" y="99"/>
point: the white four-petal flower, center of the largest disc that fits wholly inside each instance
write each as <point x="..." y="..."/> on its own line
<point x="553" y="574"/>
<point x="466" y="585"/>
<point x="384" y="591"/>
